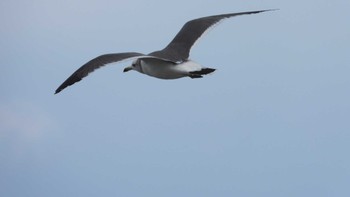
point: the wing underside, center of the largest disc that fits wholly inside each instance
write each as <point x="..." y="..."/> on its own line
<point x="94" y="64"/>
<point x="179" y="48"/>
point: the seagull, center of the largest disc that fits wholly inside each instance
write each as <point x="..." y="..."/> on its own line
<point x="172" y="62"/>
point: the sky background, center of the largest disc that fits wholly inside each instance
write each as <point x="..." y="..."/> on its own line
<point x="273" y="120"/>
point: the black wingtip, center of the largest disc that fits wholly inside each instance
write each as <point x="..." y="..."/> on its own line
<point x="260" y="11"/>
<point x="57" y="91"/>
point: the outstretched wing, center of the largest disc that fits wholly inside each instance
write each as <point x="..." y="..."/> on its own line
<point x="179" y="48"/>
<point x="94" y="64"/>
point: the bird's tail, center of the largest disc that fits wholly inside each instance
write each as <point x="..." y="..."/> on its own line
<point x="200" y="73"/>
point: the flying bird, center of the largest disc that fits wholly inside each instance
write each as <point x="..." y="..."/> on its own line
<point x="172" y="62"/>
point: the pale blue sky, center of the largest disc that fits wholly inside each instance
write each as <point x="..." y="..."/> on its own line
<point x="273" y="120"/>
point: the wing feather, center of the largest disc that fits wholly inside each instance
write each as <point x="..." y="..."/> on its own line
<point x="94" y="64"/>
<point x="179" y="48"/>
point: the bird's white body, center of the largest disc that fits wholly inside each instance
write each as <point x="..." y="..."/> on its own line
<point x="164" y="69"/>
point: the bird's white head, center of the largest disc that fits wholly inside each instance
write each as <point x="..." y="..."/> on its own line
<point x="134" y="66"/>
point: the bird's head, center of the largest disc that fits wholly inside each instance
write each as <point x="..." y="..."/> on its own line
<point x="134" y="66"/>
